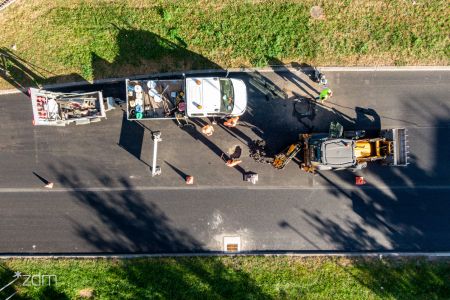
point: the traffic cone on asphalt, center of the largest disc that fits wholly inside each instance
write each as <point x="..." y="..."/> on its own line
<point x="49" y="185"/>
<point x="189" y="179"/>
<point x="360" y="180"/>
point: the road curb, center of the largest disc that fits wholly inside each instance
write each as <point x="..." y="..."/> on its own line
<point x="379" y="255"/>
<point x="5" y="3"/>
<point x="279" y="68"/>
<point x="12" y="91"/>
<point x="385" y="69"/>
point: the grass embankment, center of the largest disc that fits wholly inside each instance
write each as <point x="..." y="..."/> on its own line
<point x="83" y="39"/>
<point x="234" y="278"/>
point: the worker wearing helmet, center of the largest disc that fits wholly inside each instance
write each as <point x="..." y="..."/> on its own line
<point x="231" y="122"/>
<point x="325" y="94"/>
<point x="208" y="130"/>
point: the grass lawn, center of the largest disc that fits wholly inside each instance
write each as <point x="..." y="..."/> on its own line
<point x="233" y="278"/>
<point x="64" y="40"/>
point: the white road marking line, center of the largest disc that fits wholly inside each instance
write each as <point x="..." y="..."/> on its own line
<point x="210" y="187"/>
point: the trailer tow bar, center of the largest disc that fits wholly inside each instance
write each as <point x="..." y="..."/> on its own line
<point x="156" y="136"/>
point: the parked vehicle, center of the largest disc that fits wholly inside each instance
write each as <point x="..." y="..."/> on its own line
<point x="185" y="98"/>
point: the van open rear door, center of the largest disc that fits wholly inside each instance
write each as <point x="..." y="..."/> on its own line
<point x="59" y="109"/>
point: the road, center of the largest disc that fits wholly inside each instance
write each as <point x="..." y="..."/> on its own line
<point x="105" y="200"/>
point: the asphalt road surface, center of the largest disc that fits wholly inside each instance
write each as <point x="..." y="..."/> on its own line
<point x="105" y="200"/>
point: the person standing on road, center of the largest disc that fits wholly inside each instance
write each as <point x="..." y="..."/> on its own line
<point x="208" y="130"/>
<point x="325" y="94"/>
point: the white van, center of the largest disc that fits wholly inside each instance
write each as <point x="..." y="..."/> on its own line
<point x="186" y="98"/>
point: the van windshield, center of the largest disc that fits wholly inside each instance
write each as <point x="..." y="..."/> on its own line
<point x="226" y="95"/>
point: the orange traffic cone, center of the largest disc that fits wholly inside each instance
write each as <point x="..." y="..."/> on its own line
<point x="232" y="122"/>
<point x="189" y="179"/>
<point x="360" y="180"/>
<point x="49" y="185"/>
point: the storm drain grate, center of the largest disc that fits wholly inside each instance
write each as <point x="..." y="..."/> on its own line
<point x="232" y="247"/>
<point x="231" y="244"/>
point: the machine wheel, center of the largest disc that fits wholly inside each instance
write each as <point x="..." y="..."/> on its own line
<point x="361" y="166"/>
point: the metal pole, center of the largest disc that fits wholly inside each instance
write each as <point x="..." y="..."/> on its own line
<point x="156" y="136"/>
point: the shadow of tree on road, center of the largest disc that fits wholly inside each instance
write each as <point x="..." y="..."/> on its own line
<point x="129" y="222"/>
<point x="409" y="206"/>
<point x="407" y="211"/>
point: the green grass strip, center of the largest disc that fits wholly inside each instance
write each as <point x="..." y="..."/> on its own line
<point x="233" y="278"/>
<point x="97" y="39"/>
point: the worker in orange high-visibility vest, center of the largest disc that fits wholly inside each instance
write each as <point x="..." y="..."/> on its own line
<point x="231" y="122"/>
<point x="233" y="162"/>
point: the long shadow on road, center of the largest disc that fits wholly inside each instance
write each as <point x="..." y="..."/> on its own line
<point x="280" y="121"/>
<point x="129" y="223"/>
<point x="410" y="211"/>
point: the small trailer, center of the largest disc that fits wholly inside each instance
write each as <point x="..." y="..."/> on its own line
<point x="192" y="97"/>
<point x="59" y="109"/>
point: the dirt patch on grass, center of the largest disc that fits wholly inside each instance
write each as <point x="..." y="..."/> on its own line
<point x="86" y="293"/>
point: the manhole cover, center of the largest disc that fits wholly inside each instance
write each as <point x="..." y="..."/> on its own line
<point x="317" y="12"/>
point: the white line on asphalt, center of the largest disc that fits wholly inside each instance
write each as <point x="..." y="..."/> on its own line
<point x="11" y="91"/>
<point x="209" y="187"/>
<point x="298" y="253"/>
